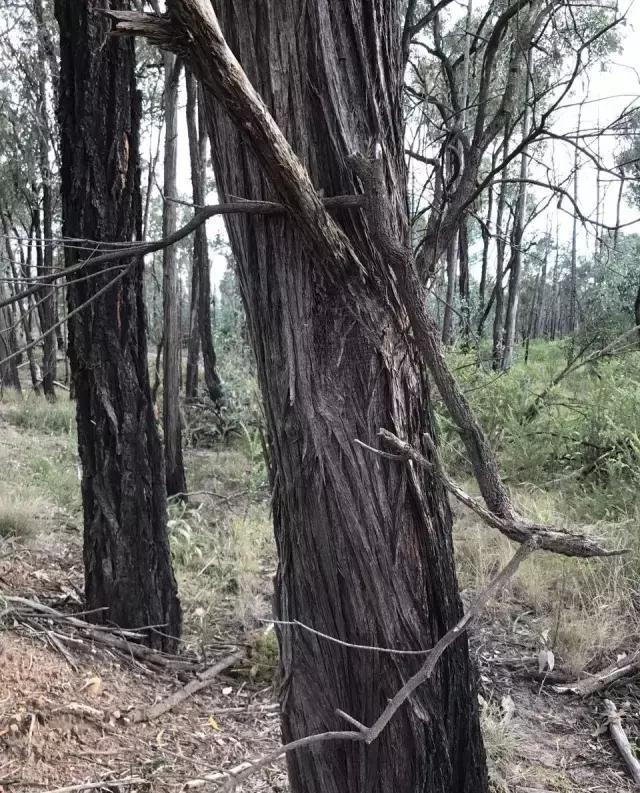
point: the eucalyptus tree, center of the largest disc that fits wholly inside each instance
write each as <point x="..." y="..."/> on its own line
<point x="128" y="575"/>
<point x="337" y="313"/>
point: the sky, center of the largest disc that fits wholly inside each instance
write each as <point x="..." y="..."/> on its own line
<point x="608" y="91"/>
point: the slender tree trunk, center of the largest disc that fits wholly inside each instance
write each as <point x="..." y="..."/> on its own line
<point x="452" y="264"/>
<point x="202" y="308"/>
<point x="501" y="233"/>
<point x="9" y="376"/>
<point x="518" y="234"/>
<point x="616" y="231"/>
<point x="636" y="309"/>
<point x="573" y="299"/>
<point x="555" y="300"/>
<point x="541" y="298"/>
<point x="463" y="257"/>
<point x="364" y="544"/>
<point x="172" y="421"/>
<point x="485" y="230"/>
<point x="126" y="550"/>
<point x="23" y="309"/>
<point x="48" y="294"/>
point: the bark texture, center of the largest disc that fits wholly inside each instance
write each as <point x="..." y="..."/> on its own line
<point x="364" y="544"/>
<point x="126" y="550"/>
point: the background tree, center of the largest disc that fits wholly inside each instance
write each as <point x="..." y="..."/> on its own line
<point x="126" y="550"/>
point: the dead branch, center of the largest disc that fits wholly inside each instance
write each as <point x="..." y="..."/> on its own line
<point x="512" y="526"/>
<point x="598" y="682"/>
<point x="125" y="251"/>
<point x="123" y="641"/>
<point x="621" y="741"/>
<point x="206" y="679"/>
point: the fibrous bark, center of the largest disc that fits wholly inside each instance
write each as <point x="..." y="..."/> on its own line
<point x="126" y="550"/>
<point x="364" y="545"/>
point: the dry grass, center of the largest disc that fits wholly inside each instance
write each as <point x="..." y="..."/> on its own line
<point x="17" y="517"/>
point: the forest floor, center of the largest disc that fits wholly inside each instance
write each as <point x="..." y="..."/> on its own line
<point x="66" y="707"/>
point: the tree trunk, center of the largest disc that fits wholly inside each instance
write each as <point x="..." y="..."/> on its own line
<point x="485" y="230"/>
<point x="573" y="299"/>
<point x="126" y="549"/>
<point x="9" y="376"/>
<point x="48" y="294"/>
<point x="452" y="262"/>
<point x="22" y="308"/>
<point x="541" y="295"/>
<point x="364" y="544"/>
<point x="518" y="233"/>
<point x="172" y="421"/>
<point x="636" y="309"/>
<point x="463" y="257"/>
<point x="501" y="232"/>
<point x="202" y="309"/>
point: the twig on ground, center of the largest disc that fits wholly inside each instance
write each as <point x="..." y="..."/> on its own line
<point x="104" y="785"/>
<point x="621" y="741"/>
<point x="590" y="685"/>
<point x="206" y="679"/>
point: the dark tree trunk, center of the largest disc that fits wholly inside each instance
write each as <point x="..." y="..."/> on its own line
<point x="198" y="151"/>
<point x="485" y="230"/>
<point x="22" y="307"/>
<point x="126" y="549"/>
<point x="9" y="377"/>
<point x="501" y="233"/>
<point x="636" y="309"/>
<point x="452" y="264"/>
<point x="193" y="347"/>
<point x="364" y="544"/>
<point x="463" y="256"/>
<point x="172" y="421"/>
<point x="48" y="294"/>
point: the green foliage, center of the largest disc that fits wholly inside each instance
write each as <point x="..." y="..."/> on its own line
<point x="585" y="436"/>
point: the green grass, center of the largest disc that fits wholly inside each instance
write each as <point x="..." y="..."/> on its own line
<point x="35" y="414"/>
<point x="576" y="464"/>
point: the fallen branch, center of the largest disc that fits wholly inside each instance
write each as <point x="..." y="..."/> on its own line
<point x="621" y="741"/>
<point x="513" y="527"/>
<point x="206" y="679"/>
<point x="124" y="641"/>
<point x="590" y="685"/>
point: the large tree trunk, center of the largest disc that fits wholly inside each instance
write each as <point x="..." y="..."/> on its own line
<point x="364" y="544"/>
<point x="126" y="549"/>
<point x="201" y="310"/>
<point x="172" y="421"/>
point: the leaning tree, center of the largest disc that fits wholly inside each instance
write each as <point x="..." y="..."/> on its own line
<point x="337" y="314"/>
<point x="127" y="558"/>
